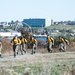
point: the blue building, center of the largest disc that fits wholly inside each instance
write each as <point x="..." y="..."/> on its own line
<point x="34" y="22"/>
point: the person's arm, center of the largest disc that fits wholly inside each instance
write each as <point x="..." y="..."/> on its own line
<point x="19" y="41"/>
<point x="25" y="41"/>
<point x="67" y="42"/>
<point x="12" y="42"/>
<point x="52" y="41"/>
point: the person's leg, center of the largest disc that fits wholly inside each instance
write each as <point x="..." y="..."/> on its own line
<point x="62" y="47"/>
<point x="34" y="48"/>
<point x="24" y="48"/>
<point x="21" y="49"/>
<point x="65" y="47"/>
<point x="59" y="47"/>
<point x="0" y="52"/>
<point x="14" y="50"/>
<point x="50" y="47"/>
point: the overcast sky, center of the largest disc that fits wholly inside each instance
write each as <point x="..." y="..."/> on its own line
<point x="58" y="10"/>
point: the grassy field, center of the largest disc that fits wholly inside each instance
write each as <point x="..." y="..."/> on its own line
<point x="61" y="27"/>
<point x="40" y="64"/>
<point x="46" y="68"/>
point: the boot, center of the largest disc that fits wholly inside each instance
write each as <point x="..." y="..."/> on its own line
<point x="0" y="56"/>
<point x="34" y="52"/>
<point x="14" y="55"/>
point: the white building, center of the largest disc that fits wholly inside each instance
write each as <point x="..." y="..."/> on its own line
<point x="47" y="22"/>
<point x="9" y="34"/>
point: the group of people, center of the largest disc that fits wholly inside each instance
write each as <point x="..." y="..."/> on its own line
<point x="20" y="44"/>
<point x="62" y="42"/>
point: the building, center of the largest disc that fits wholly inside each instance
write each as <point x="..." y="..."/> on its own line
<point x="36" y="22"/>
<point x="4" y="24"/>
<point x="47" y="22"/>
<point x="9" y="34"/>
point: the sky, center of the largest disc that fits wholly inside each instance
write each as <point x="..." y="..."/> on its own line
<point x="58" y="10"/>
